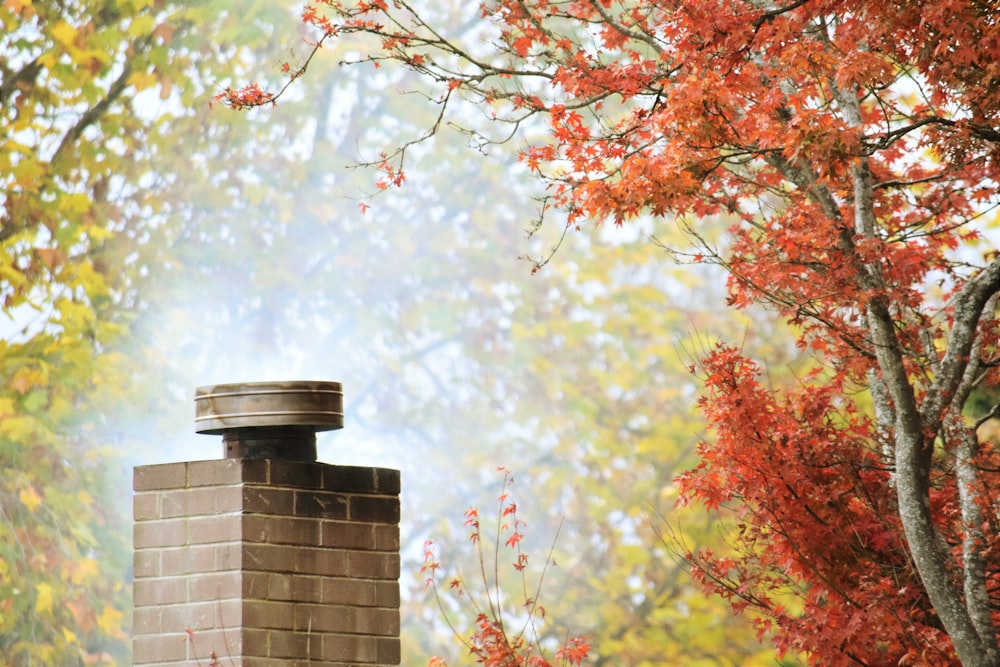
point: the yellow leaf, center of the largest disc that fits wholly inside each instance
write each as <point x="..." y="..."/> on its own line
<point x="48" y="60"/>
<point x="43" y="599"/>
<point x="69" y="636"/>
<point x="26" y="379"/>
<point x="75" y="203"/>
<point x="30" y="498"/>
<point x="142" y="80"/>
<point x="85" y="569"/>
<point x="64" y="33"/>
<point x="110" y="622"/>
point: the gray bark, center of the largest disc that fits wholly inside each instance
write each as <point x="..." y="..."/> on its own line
<point x="959" y="607"/>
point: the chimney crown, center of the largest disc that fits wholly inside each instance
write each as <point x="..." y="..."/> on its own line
<point x="269" y="420"/>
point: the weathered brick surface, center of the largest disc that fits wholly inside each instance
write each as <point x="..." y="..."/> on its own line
<point x="157" y="534"/>
<point x="146" y="563"/>
<point x="341" y="591"/>
<point x="387" y="538"/>
<point x="146" y="506"/>
<point x="227" y="471"/>
<point x="387" y="594"/>
<point x="346" y="535"/>
<point x="388" y="481"/>
<point x="321" y="504"/>
<point x="374" y="509"/>
<point x="388" y="650"/>
<point x="374" y="564"/>
<point x="281" y="530"/>
<point x="294" y="588"/>
<point x="268" y="500"/>
<point x="159" y="648"/>
<point x="267" y="563"/>
<point x="215" y="585"/>
<point x="214" y="529"/>
<point x="159" y="591"/>
<point x="295" y="474"/>
<point x="160" y="477"/>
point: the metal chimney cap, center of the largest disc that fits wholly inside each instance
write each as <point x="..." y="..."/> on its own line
<point x="298" y="405"/>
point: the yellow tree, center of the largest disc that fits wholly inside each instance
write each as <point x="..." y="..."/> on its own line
<point x="93" y="96"/>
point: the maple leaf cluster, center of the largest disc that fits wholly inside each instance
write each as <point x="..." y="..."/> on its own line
<point x="493" y="641"/>
<point x="819" y="543"/>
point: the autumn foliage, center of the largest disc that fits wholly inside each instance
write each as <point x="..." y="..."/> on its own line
<point x="819" y="544"/>
<point x="853" y="147"/>
<point x="500" y="636"/>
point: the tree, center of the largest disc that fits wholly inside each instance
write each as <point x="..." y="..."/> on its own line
<point x="95" y="100"/>
<point x="70" y="160"/>
<point x="854" y="146"/>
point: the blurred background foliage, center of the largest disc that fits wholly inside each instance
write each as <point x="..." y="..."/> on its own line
<point x="151" y="244"/>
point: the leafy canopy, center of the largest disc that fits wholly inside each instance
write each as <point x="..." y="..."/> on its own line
<point x="854" y="146"/>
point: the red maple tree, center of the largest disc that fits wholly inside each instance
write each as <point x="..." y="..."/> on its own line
<point x="855" y="146"/>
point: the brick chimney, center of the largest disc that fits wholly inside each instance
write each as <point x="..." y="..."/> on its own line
<point x="266" y="558"/>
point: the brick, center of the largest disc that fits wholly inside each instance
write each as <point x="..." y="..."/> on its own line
<point x="269" y="557"/>
<point x="160" y="476"/>
<point x="224" y="498"/>
<point x="323" y="618"/>
<point x="349" y="479"/>
<point x="327" y="562"/>
<point x="288" y="530"/>
<point x="265" y="500"/>
<point x="358" y="592"/>
<point x="219" y="528"/>
<point x="173" y="504"/>
<point x="295" y="588"/>
<point x="254" y="585"/>
<point x="267" y="614"/>
<point x="226" y="643"/>
<point x="146" y="620"/>
<point x="201" y="501"/>
<point x="256" y="642"/>
<point x="375" y="509"/>
<point x="293" y="644"/>
<point x="346" y="535"/>
<point x="281" y="530"/>
<point x="215" y="586"/>
<point x="387" y="594"/>
<point x="320" y="504"/>
<point x="187" y="559"/>
<point x="227" y="471"/>
<point x="388" y="481"/>
<point x="159" y="648"/>
<point x="166" y="590"/>
<point x="255" y="528"/>
<point x="295" y="474"/>
<point x="281" y="662"/>
<point x="373" y="565"/>
<point x="387" y="537"/>
<point x="165" y="533"/>
<point x="375" y="621"/>
<point x="229" y="556"/>
<point x="145" y="506"/>
<point x="350" y="648"/>
<point x="388" y="650"/>
<point x="193" y="616"/>
<point x="146" y="563"/>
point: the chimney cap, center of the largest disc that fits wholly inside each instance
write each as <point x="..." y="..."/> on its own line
<point x="297" y="404"/>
